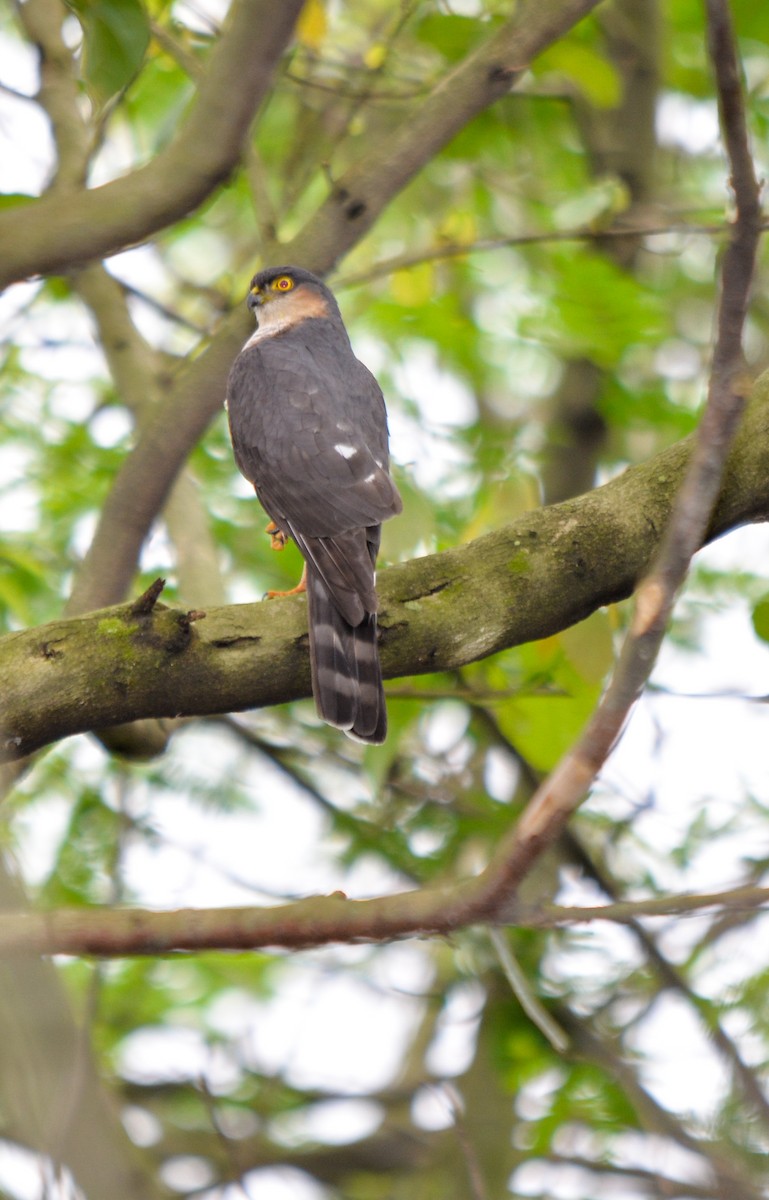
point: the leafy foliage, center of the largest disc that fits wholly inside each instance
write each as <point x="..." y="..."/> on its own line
<point x="537" y="303"/>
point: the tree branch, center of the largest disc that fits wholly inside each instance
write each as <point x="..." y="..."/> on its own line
<point x="47" y="1067"/>
<point x="748" y="898"/>
<point x="48" y="236"/>
<point x="144" y="482"/>
<point x="728" y="1173"/>
<point x="620" y="230"/>
<point x="429" y="124"/>
<point x="547" y="570"/>
<point x="317" y="920"/>
<point x="58" y="93"/>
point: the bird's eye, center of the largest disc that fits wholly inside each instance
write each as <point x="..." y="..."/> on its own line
<point x="284" y="284"/>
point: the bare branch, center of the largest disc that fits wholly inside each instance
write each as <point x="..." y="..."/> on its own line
<point x="740" y="899"/>
<point x="592" y="233"/>
<point x="315" y="921"/>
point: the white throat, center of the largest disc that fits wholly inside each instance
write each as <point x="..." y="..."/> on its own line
<point x="286" y="311"/>
<point x="270" y="323"/>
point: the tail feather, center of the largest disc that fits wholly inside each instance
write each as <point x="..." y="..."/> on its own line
<point x="346" y="564"/>
<point x="346" y="676"/>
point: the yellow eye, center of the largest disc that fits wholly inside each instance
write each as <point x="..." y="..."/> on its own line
<point x="284" y="284"/>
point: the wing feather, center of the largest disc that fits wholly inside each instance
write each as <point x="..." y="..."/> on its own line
<point x="309" y="428"/>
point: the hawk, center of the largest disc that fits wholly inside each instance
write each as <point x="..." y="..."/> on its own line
<point x="309" y="431"/>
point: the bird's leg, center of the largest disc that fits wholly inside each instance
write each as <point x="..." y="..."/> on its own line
<point x="278" y="542"/>
<point x="295" y="591"/>
<point x="278" y="538"/>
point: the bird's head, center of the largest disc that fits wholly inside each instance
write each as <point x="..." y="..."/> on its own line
<point x="280" y="297"/>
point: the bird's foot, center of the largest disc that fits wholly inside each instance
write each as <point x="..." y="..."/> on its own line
<point x="278" y="538"/>
<point x="295" y="591"/>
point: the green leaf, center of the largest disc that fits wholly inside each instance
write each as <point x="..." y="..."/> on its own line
<point x="567" y="671"/>
<point x="116" y="36"/>
<point x="598" y="310"/>
<point x="761" y="619"/>
<point x="452" y="35"/>
<point x="590" y="73"/>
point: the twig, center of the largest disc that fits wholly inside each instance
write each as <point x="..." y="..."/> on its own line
<point x="468" y="1151"/>
<point x="529" y="1002"/>
<point x="747" y="898"/>
<point x="727" y="1172"/>
<point x="145" y="603"/>
<point x="582" y="233"/>
<point x="739" y="900"/>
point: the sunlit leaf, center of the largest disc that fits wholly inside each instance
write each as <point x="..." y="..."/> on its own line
<point x="311" y="25"/>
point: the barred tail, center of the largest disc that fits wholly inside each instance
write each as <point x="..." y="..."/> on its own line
<point x="346" y="677"/>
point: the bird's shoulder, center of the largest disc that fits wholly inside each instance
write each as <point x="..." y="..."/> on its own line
<point x="307" y="366"/>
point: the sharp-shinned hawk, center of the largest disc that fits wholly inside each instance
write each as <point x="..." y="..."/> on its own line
<point x="309" y="431"/>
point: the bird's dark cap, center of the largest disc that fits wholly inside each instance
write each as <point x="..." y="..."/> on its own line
<point x="298" y="274"/>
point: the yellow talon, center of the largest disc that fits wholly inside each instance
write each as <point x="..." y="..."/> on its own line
<point x="278" y="538"/>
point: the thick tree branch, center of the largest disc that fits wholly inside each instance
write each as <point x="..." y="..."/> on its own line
<point x="139" y="374"/>
<point x="147" y="476"/>
<point x="547" y="570"/>
<point x="48" y="236"/>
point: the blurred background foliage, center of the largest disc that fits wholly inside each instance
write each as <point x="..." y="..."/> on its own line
<point x="538" y="306"/>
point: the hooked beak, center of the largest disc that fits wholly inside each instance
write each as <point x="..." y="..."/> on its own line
<point x="255" y="300"/>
